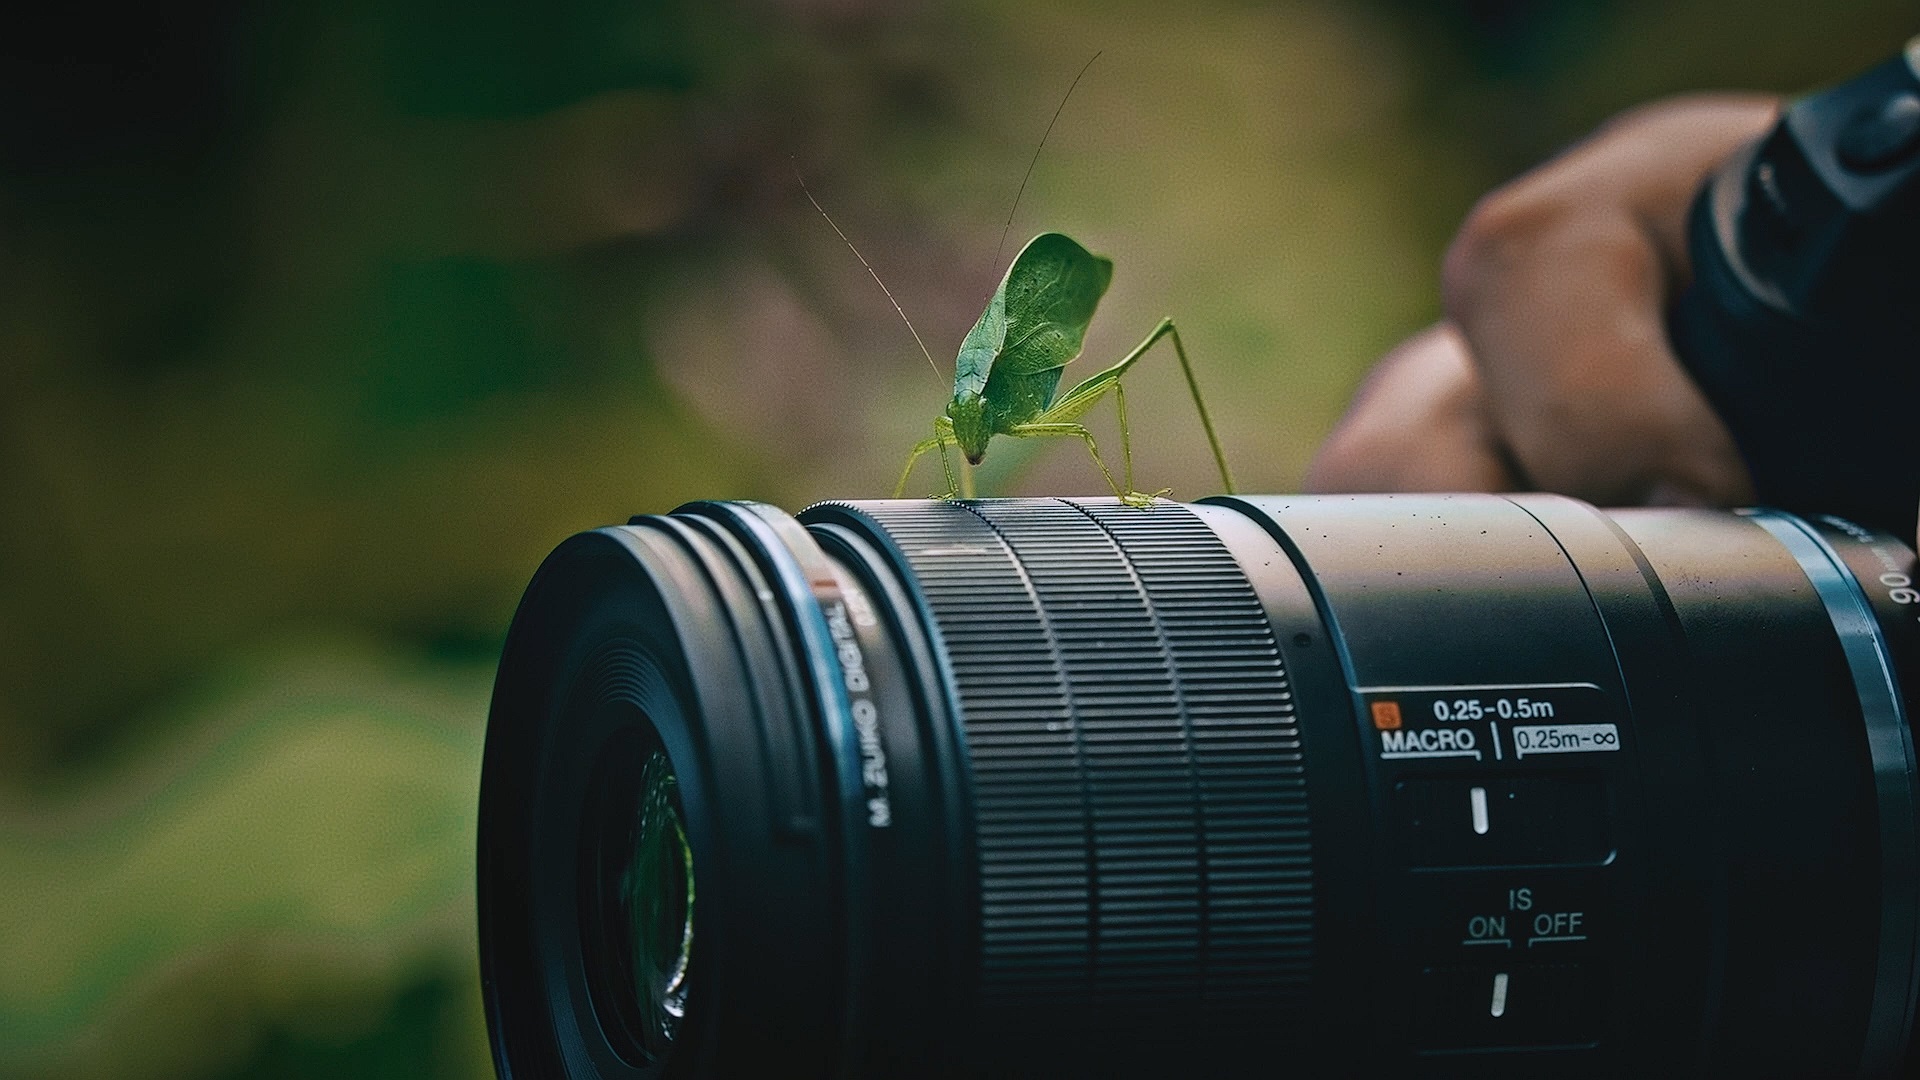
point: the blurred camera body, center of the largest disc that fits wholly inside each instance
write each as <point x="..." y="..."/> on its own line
<point x="1803" y="322"/>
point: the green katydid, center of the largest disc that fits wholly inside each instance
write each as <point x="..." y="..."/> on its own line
<point x="1006" y="378"/>
<point x="1008" y="372"/>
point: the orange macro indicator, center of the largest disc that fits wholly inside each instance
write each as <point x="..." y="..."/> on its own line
<point x="1386" y="715"/>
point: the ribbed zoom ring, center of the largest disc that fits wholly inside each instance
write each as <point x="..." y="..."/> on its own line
<point x="1140" y="805"/>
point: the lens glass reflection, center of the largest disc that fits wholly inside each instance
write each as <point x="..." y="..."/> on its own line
<point x="656" y="906"/>
<point x="637" y="899"/>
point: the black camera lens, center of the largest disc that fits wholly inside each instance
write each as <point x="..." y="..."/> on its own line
<point x="1392" y="785"/>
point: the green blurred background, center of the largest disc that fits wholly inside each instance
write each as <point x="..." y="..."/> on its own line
<point x="321" y="323"/>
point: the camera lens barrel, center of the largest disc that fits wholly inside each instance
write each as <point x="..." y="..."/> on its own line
<point x="1394" y="785"/>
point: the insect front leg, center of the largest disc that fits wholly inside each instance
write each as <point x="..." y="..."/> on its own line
<point x="942" y="440"/>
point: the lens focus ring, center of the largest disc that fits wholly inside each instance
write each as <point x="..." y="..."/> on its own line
<point x="1140" y="807"/>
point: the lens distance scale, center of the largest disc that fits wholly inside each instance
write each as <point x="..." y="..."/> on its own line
<point x="1500" y="845"/>
<point x="1489" y="723"/>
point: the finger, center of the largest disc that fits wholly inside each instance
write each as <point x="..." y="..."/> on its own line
<point x="1560" y="284"/>
<point x="1419" y="423"/>
<point x="1579" y="379"/>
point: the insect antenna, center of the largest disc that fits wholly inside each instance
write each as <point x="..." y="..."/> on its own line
<point x="1062" y="107"/>
<point x="870" y="271"/>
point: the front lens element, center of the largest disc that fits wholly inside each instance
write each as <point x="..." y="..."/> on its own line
<point x="637" y="898"/>
<point x="656" y="900"/>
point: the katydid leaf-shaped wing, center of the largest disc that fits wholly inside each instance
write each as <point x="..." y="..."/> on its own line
<point x="1037" y="319"/>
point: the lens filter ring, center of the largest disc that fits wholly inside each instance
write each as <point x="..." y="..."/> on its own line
<point x="662" y="635"/>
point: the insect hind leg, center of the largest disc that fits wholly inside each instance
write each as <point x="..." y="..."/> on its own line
<point x="1140" y="499"/>
<point x="1074" y="403"/>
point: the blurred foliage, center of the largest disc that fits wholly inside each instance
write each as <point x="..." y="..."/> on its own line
<point x="320" y="324"/>
<point x="291" y="870"/>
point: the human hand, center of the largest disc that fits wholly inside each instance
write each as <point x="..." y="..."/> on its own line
<point x="1552" y="370"/>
